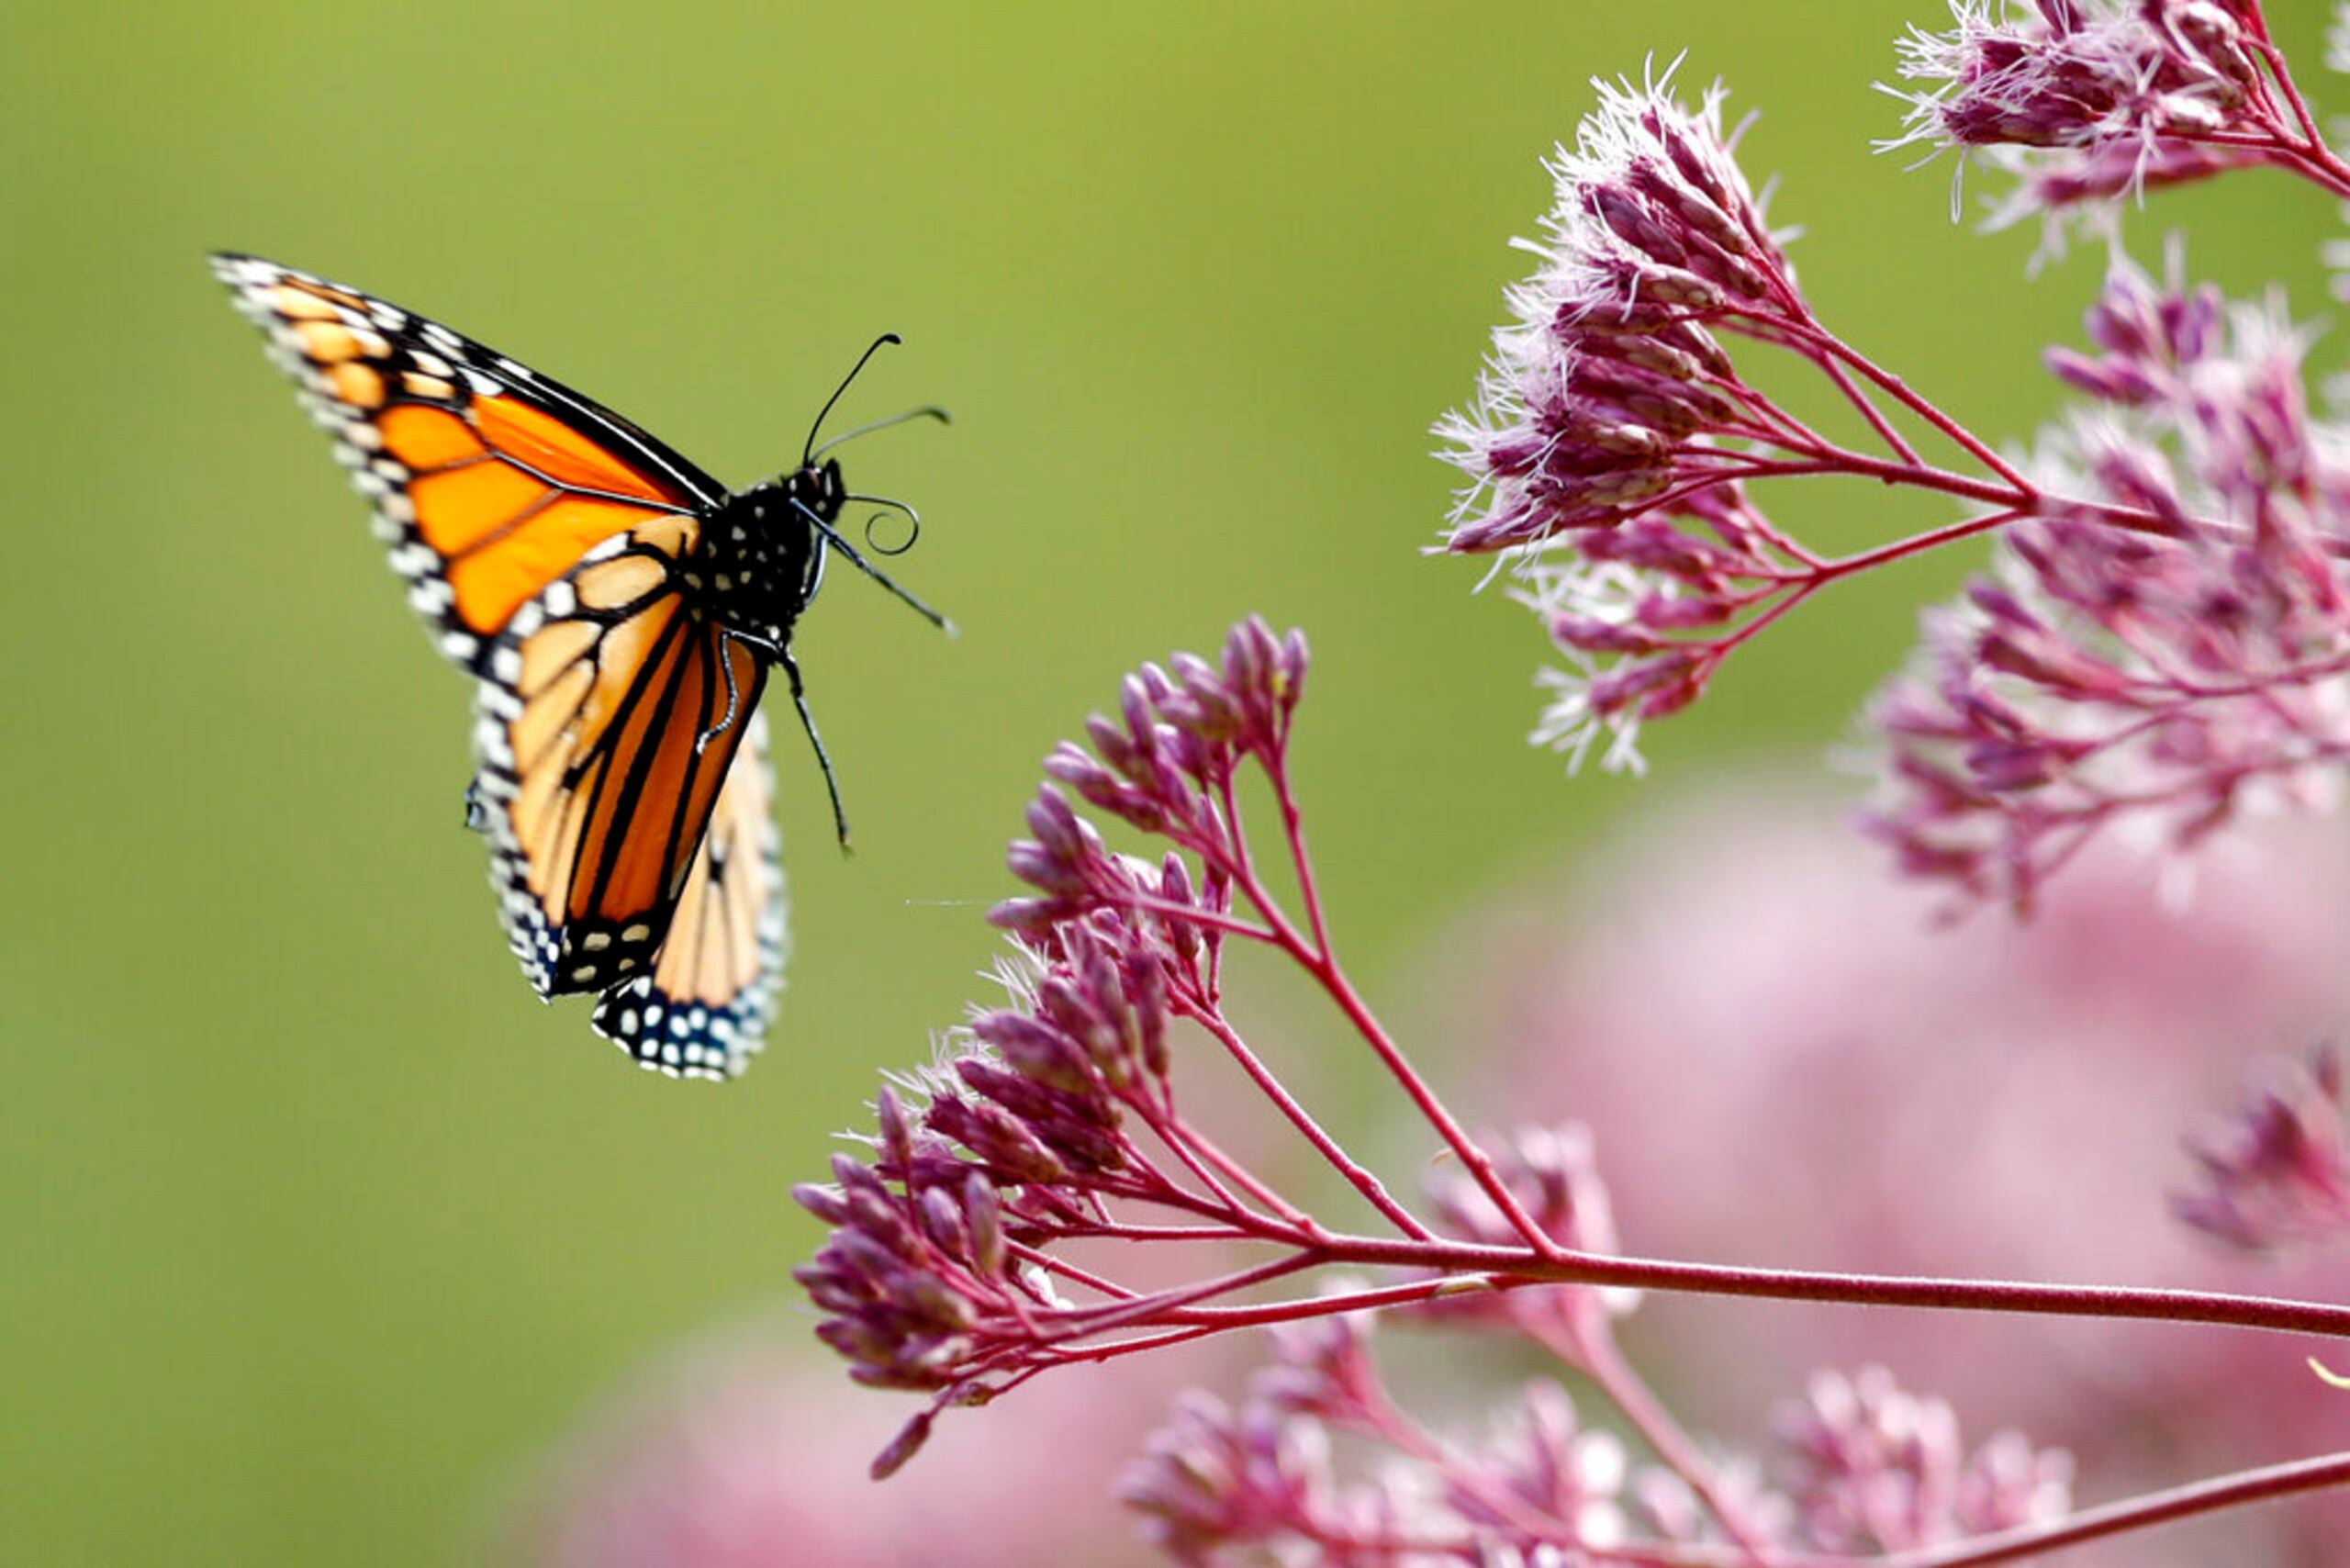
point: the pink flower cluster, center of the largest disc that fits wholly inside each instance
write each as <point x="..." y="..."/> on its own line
<point x="1226" y="1485"/>
<point x="2179" y="675"/>
<point x="1608" y="393"/>
<point x="1047" y="1196"/>
<point x="1862" y="1468"/>
<point x="2163" y="647"/>
<point x="1879" y="1470"/>
<point x="2164" y="638"/>
<point x="1611" y="430"/>
<point x="1049" y="1121"/>
<point x="1613" y="441"/>
<point x="2083" y="101"/>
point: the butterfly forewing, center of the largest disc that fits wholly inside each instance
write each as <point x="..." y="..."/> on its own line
<point x="489" y="481"/>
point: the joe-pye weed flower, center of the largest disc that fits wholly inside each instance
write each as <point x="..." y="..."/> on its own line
<point x="2162" y="645"/>
<point x="1047" y="1196"/>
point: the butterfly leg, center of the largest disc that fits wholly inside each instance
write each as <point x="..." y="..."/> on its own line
<point x="733" y="698"/>
<point x="808" y="721"/>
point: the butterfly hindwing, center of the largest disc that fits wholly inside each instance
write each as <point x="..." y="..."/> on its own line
<point x="490" y="482"/>
<point x="704" y="1009"/>
<point x="609" y="711"/>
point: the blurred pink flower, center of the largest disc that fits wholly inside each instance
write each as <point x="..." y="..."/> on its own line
<point x="1554" y="1173"/>
<point x="2278" y="1175"/>
<point x="1785" y="1065"/>
<point x="1877" y="1469"/>
<point x="747" y="1452"/>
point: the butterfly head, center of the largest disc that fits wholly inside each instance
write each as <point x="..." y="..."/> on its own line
<point x="813" y="496"/>
<point x="816" y="487"/>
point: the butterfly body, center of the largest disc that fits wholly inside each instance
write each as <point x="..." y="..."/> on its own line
<point x="619" y="610"/>
<point x="763" y="559"/>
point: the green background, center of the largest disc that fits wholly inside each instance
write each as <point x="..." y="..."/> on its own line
<point x="315" y="1223"/>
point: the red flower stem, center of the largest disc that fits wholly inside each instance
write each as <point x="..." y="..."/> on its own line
<point x="1473" y="1157"/>
<point x="2268" y="141"/>
<point x="2169" y="696"/>
<point x="2312" y="160"/>
<point x="1259" y="1315"/>
<point x="1784" y="544"/>
<point x="1283" y="1211"/>
<point x="1861" y="466"/>
<point x="2223" y="781"/>
<point x="1212" y="978"/>
<point x="1320" y="961"/>
<point x="1372" y="1189"/>
<point x="2014" y="504"/>
<point x="2291" y="675"/>
<point x="1949" y="534"/>
<point x="2280" y="73"/>
<point x="1324" y="967"/>
<point x="1168" y="1133"/>
<point x="1110" y="1231"/>
<point x="1070" y="1271"/>
<point x="1752" y="468"/>
<point x="1160" y="1116"/>
<point x="1235" y="833"/>
<point x="1165" y="1195"/>
<point x="1828" y="348"/>
<point x="1719" y="648"/>
<point x="2309" y="157"/>
<point x="1869" y="411"/>
<point x="2026" y="501"/>
<point x="1175" y="1305"/>
<point x="1782" y="428"/>
<point x="1467" y="1265"/>
<point x="1142" y="1344"/>
<point x="2190" y="1501"/>
<point x="1293" y="829"/>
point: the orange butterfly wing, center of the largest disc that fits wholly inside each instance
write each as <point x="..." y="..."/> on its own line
<point x="611" y="733"/>
<point x="489" y="481"/>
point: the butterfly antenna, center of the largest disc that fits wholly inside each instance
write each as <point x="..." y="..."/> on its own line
<point x="927" y="411"/>
<point x="913" y="523"/>
<point x="808" y="448"/>
<point x="870" y="570"/>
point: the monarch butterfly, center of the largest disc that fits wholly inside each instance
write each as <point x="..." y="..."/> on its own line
<point x="619" y="610"/>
